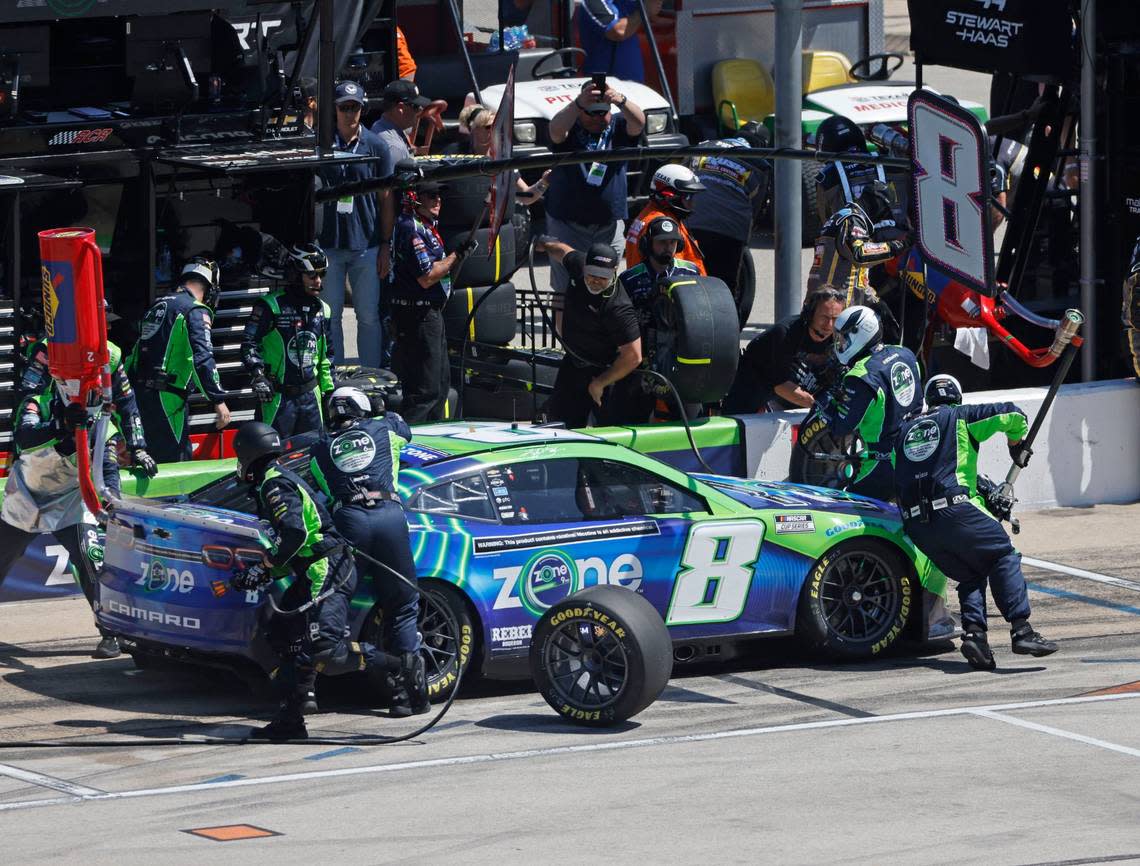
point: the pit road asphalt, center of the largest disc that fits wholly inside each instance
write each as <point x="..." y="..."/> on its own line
<point x="777" y="757"/>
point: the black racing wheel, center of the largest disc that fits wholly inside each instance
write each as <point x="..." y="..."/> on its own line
<point x="566" y="70"/>
<point x="861" y="68"/>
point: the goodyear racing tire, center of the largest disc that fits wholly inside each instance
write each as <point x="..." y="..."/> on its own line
<point x="745" y="287"/>
<point x="707" y="347"/>
<point x="373" y="381"/>
<point x="479" y="269"/>
<point x="601" y="656"/>
<point x="821" y="458"/>
<point x="809" y="195"/>
<point x="495" y="321"/>
<point x="448" y="633"/>
<point x="857" y="600"/>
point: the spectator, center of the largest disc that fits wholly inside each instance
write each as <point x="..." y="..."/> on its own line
<point x="586" y="203"/>
<point x="608" y="32"/>
<point x="420" y="286"/>
<point x="476" y="123"/>
<point x="350" y="231"/>
<point x="783" y="365"/>
<point x="721" y="219"/>
<point x="405" y="63"/>
<point x="601" y="335"/>
<point x="401" y="105"/>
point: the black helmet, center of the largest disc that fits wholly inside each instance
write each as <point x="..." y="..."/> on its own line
<point x="254" y="443"/>
<point x="943" y="390"/>
<point x="207" y="271"/>
<point x="349" y="402"/>
<point x="306" y="259"/>
<point x="837" y="134"/>
<point x="877" y="200"/>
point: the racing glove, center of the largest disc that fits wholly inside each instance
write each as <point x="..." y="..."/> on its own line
<point x="142" y="460"/>
<point x="1020" y="454"/>
<point x="253" y="578"/>
<point x="262" y="388"/>
<point x="74" y="415"/>
<point x="465" y="249"/>
<point x="803" y="376"/>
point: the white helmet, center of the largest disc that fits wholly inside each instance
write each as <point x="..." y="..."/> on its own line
<point x="348" y="402"/>
<point x="673" y="184"/>
<point x="943" y="390"/>
<point x="857" y="330"/>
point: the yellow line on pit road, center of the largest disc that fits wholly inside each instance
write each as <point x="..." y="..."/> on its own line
<point x="556" y="750"/>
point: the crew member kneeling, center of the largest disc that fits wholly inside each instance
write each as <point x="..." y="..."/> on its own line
<point x="356" y="463"/>
<point x="936" y="458"/>
<point x="307" y="545"/>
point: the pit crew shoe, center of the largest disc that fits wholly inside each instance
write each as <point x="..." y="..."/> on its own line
<point x="309" y="704"/>
<point x="287" y="725"/>
<point x="413" y="699"/>
<point x="1027" y="642"/>
<point x="108" y="648"/>
<point x="976" y="649"/>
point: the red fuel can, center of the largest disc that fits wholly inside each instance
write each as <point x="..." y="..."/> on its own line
<point x="74" y="319"/>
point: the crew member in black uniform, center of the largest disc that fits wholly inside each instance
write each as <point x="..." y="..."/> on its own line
<point x="308" y="546"/>
<point x="175" y="346"/>
<point x="419" y="288"/>
<point x="634" y="397"/>
<point x="936" y="477"/>
<point x="880" y="390"/>
<point x="600" y="331"/>
<point x="287" y="346"/>
<point x="356" y="464"/>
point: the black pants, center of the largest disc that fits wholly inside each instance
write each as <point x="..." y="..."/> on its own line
<point x="972" y="548"/>
<point x="166" y="425"/>
<point x="420" y="361"/>
<point x="291" y="416"/>
<point x="570" y="401"/>
<point x="723" y="256"/>
<point x="381" y="532"/>
<point x="77" y="540"/>
<point x="628" y="402"/>
<point x="316" y="642"/>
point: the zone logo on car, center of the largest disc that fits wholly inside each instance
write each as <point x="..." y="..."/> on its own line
<point x="550" y="576"/>
<point x="157" y="577"/>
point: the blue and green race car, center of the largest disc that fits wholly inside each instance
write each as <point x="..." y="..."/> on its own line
<point x="510" y="526"/>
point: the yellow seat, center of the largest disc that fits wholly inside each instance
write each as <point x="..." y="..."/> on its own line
<point x="743" y="91"/>
<point x="825" y="69"/>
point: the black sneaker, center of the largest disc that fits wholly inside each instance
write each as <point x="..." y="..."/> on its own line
<point x="413" y="698"/>
<point x="309" y="704"/>
<point x="976" y="649"/>
<point x="108" y="648"/>
<point x="283" y="727"/>
<point x="1027" y="642"/>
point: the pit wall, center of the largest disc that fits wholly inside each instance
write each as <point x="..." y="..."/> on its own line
<point x="1087" y="452"/>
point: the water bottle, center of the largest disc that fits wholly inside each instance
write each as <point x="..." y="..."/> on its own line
<point x="511" y="39"/>
<point x="528" y="41"/>
<point x="494" y="45"/>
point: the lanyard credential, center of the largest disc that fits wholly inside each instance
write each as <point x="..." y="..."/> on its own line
<point x="596" y="173"/>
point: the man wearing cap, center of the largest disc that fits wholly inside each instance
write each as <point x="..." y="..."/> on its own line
<point x="174" y="347"/>
<point x="586" y="203"/>
<point x="419" y="287"/>
<point x="633" y="397"/>
<point x="401" y="108"/>
<point x="350" y="232"/>
<point x="600" y="332"/>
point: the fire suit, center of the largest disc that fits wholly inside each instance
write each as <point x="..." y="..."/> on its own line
<point x="688" y="250"/>
<point x="356" y="466"/>
<point x="288" y="338"/>
<point x="174" y="347"/>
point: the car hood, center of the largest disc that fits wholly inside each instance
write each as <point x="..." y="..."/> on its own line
<point x="544" y="99"/>
<point x="784" y="496"/>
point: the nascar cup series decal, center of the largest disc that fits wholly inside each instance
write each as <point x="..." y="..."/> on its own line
<point x="786" y="523"/>
<point x="352" y="451"/>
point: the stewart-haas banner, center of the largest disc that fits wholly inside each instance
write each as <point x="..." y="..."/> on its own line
<point x="1025" y="37"/>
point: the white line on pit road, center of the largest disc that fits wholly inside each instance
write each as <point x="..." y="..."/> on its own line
<point x="1057" y="732"/>
<point x="48" y="781"/>
<point x="1080" y="572"/>
<point x="554" y="750"/>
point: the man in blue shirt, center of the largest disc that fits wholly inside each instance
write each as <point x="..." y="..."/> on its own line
<point x="420" y="283"/>
<point x="586" y="204"/>
<point x="608" y="31"/>
<point x="350" y="232"/>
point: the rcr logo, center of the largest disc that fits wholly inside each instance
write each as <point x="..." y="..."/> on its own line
<point x="625" y="571"/>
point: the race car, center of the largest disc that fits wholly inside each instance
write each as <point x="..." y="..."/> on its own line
<point x="511" y="524"/>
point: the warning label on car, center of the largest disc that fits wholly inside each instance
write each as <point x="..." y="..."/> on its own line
<point x="499" y="543"/>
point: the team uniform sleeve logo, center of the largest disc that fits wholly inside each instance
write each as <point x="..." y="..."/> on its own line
<point x="902" y="383"/>
<point x="921" y="440"/>
<point x="352" y="451"/>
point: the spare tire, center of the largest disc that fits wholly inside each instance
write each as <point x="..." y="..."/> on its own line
<point x="707" y="346"/>
<point x="374" y="382"/>
<point x="486" y="396"/>
<point x="601" y="656"/>
<point x="464" y="198"/>
<point x="479" y="269"/>
<point x="495" y="319"/>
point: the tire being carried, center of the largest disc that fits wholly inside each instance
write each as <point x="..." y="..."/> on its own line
<point x="857" y="600"/>
<point x="601" y="656"/>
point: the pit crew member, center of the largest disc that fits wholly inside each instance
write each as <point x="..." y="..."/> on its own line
<point x="671" y="195"/>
